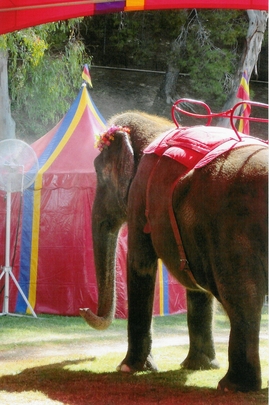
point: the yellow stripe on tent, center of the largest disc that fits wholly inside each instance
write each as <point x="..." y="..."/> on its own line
<point x="34" y="250"/>
<point x="161" y="295"/>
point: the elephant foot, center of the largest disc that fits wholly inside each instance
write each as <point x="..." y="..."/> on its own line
<point x="226" y="385"/>
<point x="222" y="386"/>
<point x="200" y="362"/>
<point x="149" y="365"/>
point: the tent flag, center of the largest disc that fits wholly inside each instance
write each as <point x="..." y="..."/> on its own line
<point x="86" y="75"/>
<point x="243" y="93"/>
<point x="32" y="197"/>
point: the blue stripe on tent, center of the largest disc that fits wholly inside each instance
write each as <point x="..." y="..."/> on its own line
<point x="28" y="207"/>
<point x="97" y="111"/>
<point x="26" y="238"/>
<point x="165" y="291"/>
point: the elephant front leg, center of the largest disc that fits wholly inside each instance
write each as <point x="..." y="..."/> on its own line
<point x="201" y="354"/>
<point x="142" y="267"/>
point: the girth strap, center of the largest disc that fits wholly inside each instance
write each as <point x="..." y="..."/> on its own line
<point x="147" y="228"/>
<point x="184" y="266"/>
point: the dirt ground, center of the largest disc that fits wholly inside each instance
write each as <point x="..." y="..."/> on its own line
<point x="116" y="91"/>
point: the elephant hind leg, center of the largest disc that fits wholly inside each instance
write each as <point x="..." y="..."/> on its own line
<point x="244" y="372"/>
<point x="200" y="313"/>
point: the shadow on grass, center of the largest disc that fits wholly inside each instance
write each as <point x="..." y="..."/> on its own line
<point x="60" y="382"/>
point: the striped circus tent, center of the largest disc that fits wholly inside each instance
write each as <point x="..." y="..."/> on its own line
<point x="170" y="297"/>
<point x="51" y="243"/>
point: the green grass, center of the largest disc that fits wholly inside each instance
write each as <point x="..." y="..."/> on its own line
<point x="56" y="360"/>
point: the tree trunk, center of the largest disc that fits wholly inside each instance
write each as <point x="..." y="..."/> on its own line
<point x="167" y="93"/>
<point x="7" y="124"/>
<point x="252" y="48"/>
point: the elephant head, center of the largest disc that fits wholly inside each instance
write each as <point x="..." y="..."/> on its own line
<point x="120" y="148"/>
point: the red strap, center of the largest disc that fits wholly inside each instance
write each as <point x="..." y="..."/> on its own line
<point x="147" y="228"/>
<point x="183" y="260"/>
<point x="184" y="266"/>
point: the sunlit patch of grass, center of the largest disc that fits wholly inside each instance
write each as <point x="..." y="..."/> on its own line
<point x="168" y="360"/>
<point x="100" y="364"/>
<point x="26" y="398"/>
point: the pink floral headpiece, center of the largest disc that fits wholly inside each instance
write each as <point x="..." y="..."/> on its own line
<point x="104" y="139"/>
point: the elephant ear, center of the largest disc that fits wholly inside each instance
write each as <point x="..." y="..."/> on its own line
<point x="124" y="164"/>
<point x="115" y="166"/>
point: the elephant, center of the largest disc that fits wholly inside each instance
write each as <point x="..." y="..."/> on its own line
<point x="209" y="227"/>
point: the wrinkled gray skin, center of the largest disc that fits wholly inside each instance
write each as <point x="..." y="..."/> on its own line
<point x="221" y="211"/>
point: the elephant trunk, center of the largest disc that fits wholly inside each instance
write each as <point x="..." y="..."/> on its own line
<point x="115" y="168"/>
<point x="104" y="243"/>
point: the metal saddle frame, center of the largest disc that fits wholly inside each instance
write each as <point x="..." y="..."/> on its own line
<point x="231" y="113"/>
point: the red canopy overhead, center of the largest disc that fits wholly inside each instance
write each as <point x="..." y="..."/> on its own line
<point x="18" y="14"/>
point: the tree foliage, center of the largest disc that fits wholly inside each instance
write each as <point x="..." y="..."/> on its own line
<point x="45" y="65"/>
<point x="135" y="40"/>
<point x="210" y="43"/>
<point x="210" y="50"/>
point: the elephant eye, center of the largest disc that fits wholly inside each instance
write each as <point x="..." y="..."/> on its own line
<point x="106" y="171"/>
